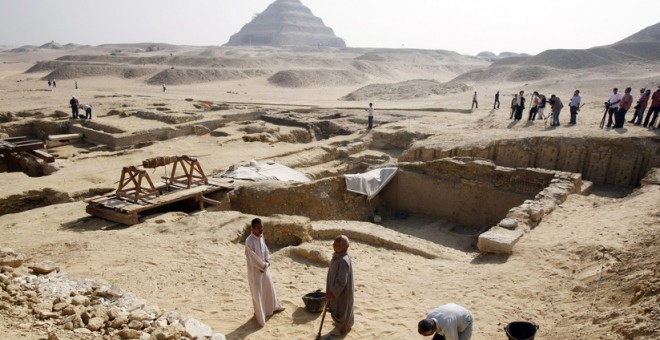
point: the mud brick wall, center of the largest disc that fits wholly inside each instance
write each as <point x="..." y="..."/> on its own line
<point x="325" y="199"/>
<point x="622" y="161"/>
<point x="466" y="191"/>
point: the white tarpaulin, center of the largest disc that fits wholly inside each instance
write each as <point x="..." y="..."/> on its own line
<point x="266" y="171"/>
<point x="370" y="183"/>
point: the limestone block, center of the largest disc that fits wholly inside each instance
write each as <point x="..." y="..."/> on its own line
<point x="586" y="188"/>
<point x="498" y="240"/>
<point x="94" y="324"/>
<point x="196" y="329"/>
<point x="509" y="223"/>
<point x="536" y="213"/>
<point x="652" y="177"/>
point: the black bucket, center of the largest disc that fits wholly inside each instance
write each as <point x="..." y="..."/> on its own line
<point x="521" y="330"/>
<point x="314" y="301"/>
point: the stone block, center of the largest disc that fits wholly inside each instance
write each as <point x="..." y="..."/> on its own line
<point x="498" y="240"/>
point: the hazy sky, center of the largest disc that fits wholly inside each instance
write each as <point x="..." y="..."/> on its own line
<point x="464" y="26"/>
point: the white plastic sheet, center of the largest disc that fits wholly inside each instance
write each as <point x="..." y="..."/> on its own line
<point x="266" y="171"/>
<point x="370" y="183"/>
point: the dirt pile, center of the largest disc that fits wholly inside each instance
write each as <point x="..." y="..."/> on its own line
<point x="192" y="76"/>
<point x="418" y="88"/>
<point x="315" y="78"/>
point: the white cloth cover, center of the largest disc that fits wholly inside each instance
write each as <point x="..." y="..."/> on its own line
<point x="266" y="171"/>
<point x="370" y="183"/>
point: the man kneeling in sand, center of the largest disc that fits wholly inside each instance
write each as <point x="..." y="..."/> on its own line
<point x="447" y="322"/>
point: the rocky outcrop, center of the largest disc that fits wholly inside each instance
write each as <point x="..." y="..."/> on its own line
<point x="286" y="23"/>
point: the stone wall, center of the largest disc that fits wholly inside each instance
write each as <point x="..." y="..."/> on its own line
<point x="325" y="199"/>
<point x="470" y="192"/>
<point x="621" y="161"/>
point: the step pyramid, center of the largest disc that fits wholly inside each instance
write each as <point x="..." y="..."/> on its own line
<point x="286" y="23"/>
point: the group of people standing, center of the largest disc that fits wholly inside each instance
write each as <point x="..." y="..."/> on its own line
<point x="618" y="105"/>
<point x="538" y="103"/>
<point x="75" y="107"/>
<point x="450" y="321"/>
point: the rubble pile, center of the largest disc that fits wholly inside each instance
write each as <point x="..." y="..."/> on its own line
<point x="40" y="296"/>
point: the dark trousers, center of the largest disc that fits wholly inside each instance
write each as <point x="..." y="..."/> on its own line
<point x="371" y="122"/>
<point x="496" y="103"/>
<point x="475" y="103"/>
<point x="573" y="115"/>
<point x="74" y="112"/>
<point x="88" y="113"/>
<point x="532" y="113"/>
<point x="519" y="113"/>
<point x="652" y="111"/>
<point x="620" y="118"/>
<point x="611" y="111"/>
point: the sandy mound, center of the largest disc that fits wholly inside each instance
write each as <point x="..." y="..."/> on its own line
<point x="315" y="78"/>
<point x="192" y="76"/>
<point x="79" y="71"/>
<point x="511" y="73"/>
<point x="410" y="89"/>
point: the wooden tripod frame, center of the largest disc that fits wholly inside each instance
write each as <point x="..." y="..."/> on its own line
<point x="192" y="173"/>
<point x="132" y="175"/>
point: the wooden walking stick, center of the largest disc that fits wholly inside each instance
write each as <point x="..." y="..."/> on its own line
<point x="325" y="308"/>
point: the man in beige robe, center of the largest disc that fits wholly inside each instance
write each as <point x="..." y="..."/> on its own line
<point x="264" y="298"/>
<point x="339" y="286"/>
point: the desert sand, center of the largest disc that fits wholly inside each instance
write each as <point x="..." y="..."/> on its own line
<point x="587" y="270"/>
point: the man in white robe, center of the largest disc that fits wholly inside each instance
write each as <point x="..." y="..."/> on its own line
<point x="264" y="298"/>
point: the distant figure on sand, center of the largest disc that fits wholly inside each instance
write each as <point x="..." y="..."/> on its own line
<point x="613" y="104"/>
<point x="534" y="109"/>
<point x="574" y="106"/>
<point x="164" y="88"/>
<point x="50" y="83"/>
<point x="370" y="110"/>
<point x="74" y="107"/>
<point x="75" y="82"/>
<point x="450" y="322"/>
<point x="542" y="103"/>
<point x="54" y="84"/>
<point x="88" y="111"/>
<point x="624" y="106"/>
<point x="520" y="108"/>
<point x="555" y="106"/>
<point x="264" y="298"/>
<point x="641" y="101"/>
<point x="653" y="110"/>
<point x="514" y="105"/>
<point x="474" y="100"/>
<point x="496" y="104"/>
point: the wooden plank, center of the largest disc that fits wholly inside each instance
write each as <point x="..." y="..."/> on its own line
<point x="48" y="158"/>
<point x="28" y="146"/>
<point x="112" y="215"/>
<point x="15" y="139"/>
<point x="212" y="202"/>
<point x="165" y="199"/>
